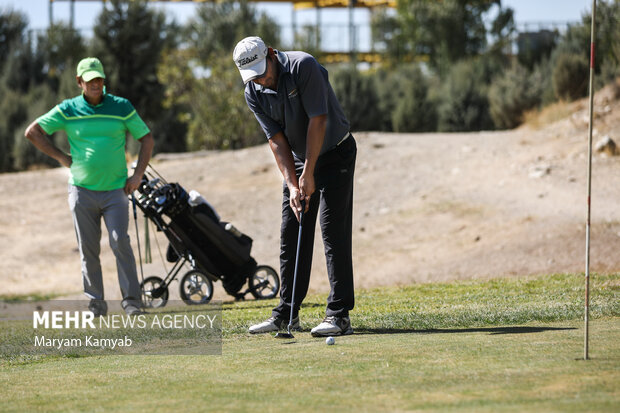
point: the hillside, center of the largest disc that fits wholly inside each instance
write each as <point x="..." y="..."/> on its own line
<point x="427" y="207"/>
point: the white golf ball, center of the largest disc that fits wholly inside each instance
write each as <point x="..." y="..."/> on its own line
<point x="330" y="341"/>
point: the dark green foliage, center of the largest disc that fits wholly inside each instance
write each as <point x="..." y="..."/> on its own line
<point x="512" y="94"/>
<point x="209" y="95"/>
<point x="23" y="67"/>
<point x="450" y="30"/>
<point x="14" y="55"/>
<point x="577" y="41"/>
<point x="61" y="48"/>
<point x="220" y="118"/>
<point x="358" y="97"/>
<point x="14" y="113"/>
<point x="414" y="111"/>
<point x="218" y="27"/>
<point x="387" y="35"/>
<point x="170" y="131"/>
<point x="389" y="93"/>
<point x="541" y="79"/>
<point x="464" y="103"/>
<point x="405" y="101"/>
<point x="38" y="101"/>
<point x="189" y="91"/>
<point x="12" y="33"/>
<point x="129" y="39"/>
<point x="570" y="76"/>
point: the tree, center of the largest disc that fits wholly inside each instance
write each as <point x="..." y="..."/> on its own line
<point x="387" y="35"/>
<point x="61" y="47"/>
<point x="129" y="40"/>
<point x="576" y="41"/>
<point x="218" y="26"/>
<point x="38" y="101"/>
<point x="12" y="33"/>
<point x="14" y="112"/>
<point x="443" y="32"/>
<point x="221" y="118"/>
<point x="14" y="79"/>
<point x="203" y="82"/>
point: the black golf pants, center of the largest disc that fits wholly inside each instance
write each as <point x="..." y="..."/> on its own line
<point x="334" y="200"/>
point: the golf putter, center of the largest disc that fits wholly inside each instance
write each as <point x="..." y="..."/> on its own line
<point x="288" y="334"/>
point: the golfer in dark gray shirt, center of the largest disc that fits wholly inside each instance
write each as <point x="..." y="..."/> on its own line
<point x="290" y="95"/>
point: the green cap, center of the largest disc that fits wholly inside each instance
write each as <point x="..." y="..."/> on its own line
<point x="90" y="68"/>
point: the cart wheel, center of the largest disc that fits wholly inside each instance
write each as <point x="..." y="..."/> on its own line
<point x="264" y="283"/>
<point x="155" y="294"/>
<point x="196" y="288"/>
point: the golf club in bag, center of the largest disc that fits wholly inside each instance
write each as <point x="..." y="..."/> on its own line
<point x="288" y="334"/>
<point x="135" y="219"/>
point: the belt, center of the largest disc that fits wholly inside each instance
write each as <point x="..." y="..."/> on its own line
<point x="344" y="139"/>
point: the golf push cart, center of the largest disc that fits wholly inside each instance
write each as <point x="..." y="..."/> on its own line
<point x="214" y="250"/>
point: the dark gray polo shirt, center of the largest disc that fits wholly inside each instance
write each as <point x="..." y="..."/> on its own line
<point x="303" y="92"/>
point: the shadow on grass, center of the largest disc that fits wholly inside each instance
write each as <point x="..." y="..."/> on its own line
<point x="490" y="330"/>
<point x="252" y="306"/>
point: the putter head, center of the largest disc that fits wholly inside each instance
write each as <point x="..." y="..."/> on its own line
<point x="286" y="336"/>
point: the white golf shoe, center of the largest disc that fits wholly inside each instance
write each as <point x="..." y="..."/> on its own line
<point x="273" y="324"/>
<point x="333" y="326"/>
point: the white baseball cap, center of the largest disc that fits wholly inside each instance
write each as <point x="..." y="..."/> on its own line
<point x="249" y="56"/>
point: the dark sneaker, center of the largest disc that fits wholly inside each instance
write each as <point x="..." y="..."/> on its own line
<point x="333" y="326"/>
<point x="273" y="324"/>
<point x="133" y="310"/>
<point x="98" y="307"/>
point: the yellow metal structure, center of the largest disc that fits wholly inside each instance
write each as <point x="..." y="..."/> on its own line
<point x="298" y="4"/>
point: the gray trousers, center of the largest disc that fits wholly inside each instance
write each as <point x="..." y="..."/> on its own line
<point x="87" y="208"/>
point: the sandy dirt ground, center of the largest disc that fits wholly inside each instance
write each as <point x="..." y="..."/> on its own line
<point x="428" y="207"/>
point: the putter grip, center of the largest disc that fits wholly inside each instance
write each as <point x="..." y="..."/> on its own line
<point x="303" y="209"/>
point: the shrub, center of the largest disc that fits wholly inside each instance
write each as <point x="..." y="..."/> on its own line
<point x="512" y="94"/>
<point x="405" y="100"/>
<point x="38" y="101"/>
<point x="464" y="103"/>
<point x="358" y="97"/>
<point x="414" y="112"/>
<point x="570" y="76"/>
<point x="389" y="92"/>
<point x="219" y="117"/>
<point x="14" y="114"/>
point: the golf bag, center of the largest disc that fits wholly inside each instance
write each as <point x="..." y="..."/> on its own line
<point x="215" y="250"/>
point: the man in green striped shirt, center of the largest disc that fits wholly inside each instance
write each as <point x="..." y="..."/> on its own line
<point x="96" y="124"/>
